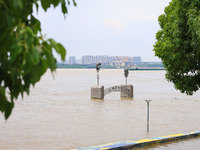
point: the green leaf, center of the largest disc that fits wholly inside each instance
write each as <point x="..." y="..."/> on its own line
<point x="62" y="51"/>
<point x="35" y="56"/>
<point x="8" y="110"/>
<point x="55" y="2"/>
<point x="15" y="52"/>
<point x="36" y="26"/>
<point x="3" y="99"/>
<point x="54" y="44"/>
<point x="59" y="48"/>
<point x="74" y="3"/>
<point x="37" y="6"/>
<point x="29" y="36"/>
<point x="63" y="6"/>
<point x="45" y="4"/>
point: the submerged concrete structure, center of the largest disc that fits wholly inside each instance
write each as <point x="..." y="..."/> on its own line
<point x="97" y="92"/>
<point x="127" y="91"/>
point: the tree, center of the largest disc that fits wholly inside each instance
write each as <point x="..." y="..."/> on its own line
<point x="25" y="55"/>
<point x="178" y="44"/>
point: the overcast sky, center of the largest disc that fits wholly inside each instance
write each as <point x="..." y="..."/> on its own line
<point x="106" y="27"/>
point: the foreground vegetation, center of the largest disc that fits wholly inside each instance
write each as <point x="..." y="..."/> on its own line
<point x="25" y="53"/>
<point x="178" y="44"/>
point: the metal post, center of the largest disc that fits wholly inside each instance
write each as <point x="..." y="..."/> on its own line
<point x="126" y="74"/>
<point x="98" y="77"/>
<point x="147" y="114"/>
<point x="98" y="66"/>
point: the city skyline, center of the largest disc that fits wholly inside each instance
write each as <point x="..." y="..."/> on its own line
<point x="119" y="61"/>
<point x="77" y="58"/>
<point x="108" y="61"/>
<point x="68" y="56"/>
<point x="80" y="58"/>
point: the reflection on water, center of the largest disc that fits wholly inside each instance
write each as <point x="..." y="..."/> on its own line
<point x="59" y="113"/>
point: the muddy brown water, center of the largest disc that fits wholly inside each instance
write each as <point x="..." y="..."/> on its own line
<point x="59" y="113"/>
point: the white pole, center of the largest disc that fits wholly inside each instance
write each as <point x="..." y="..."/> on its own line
<point x="147" y="114"/>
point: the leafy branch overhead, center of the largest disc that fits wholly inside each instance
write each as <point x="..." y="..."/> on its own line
<point x="25" y="55"/>
<point x="178" y="44"/>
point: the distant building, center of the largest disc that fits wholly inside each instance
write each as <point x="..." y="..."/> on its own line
<point x="88" y="59"/>
<point x="137" y="59"/>
<point x="110" y="60"/>
<point x="72" y="60"/>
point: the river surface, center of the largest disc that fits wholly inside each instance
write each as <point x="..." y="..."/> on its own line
<point x="59" y="113"/>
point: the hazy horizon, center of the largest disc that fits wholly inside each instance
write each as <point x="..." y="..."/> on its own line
<point x="77" y="58"/>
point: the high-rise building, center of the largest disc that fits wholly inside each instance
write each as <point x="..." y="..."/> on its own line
<point x="87" y="59"/>
<point x="72" y="60"/>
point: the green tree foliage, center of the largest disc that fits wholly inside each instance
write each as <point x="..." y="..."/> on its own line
<point x="178" y="44"/>
<point x="25" y="55"/>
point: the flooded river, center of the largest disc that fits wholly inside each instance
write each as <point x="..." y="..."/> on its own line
<point x="59" y="113"/>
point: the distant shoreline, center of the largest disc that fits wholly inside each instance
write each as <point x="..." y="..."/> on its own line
<point x="139" y="69"/>
<point x="139" y="66"/>
<point x="148" y="68"/>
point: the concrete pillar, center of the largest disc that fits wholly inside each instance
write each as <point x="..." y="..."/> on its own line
<point x="97" y="92"/>
<point x="127" y="91"/>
